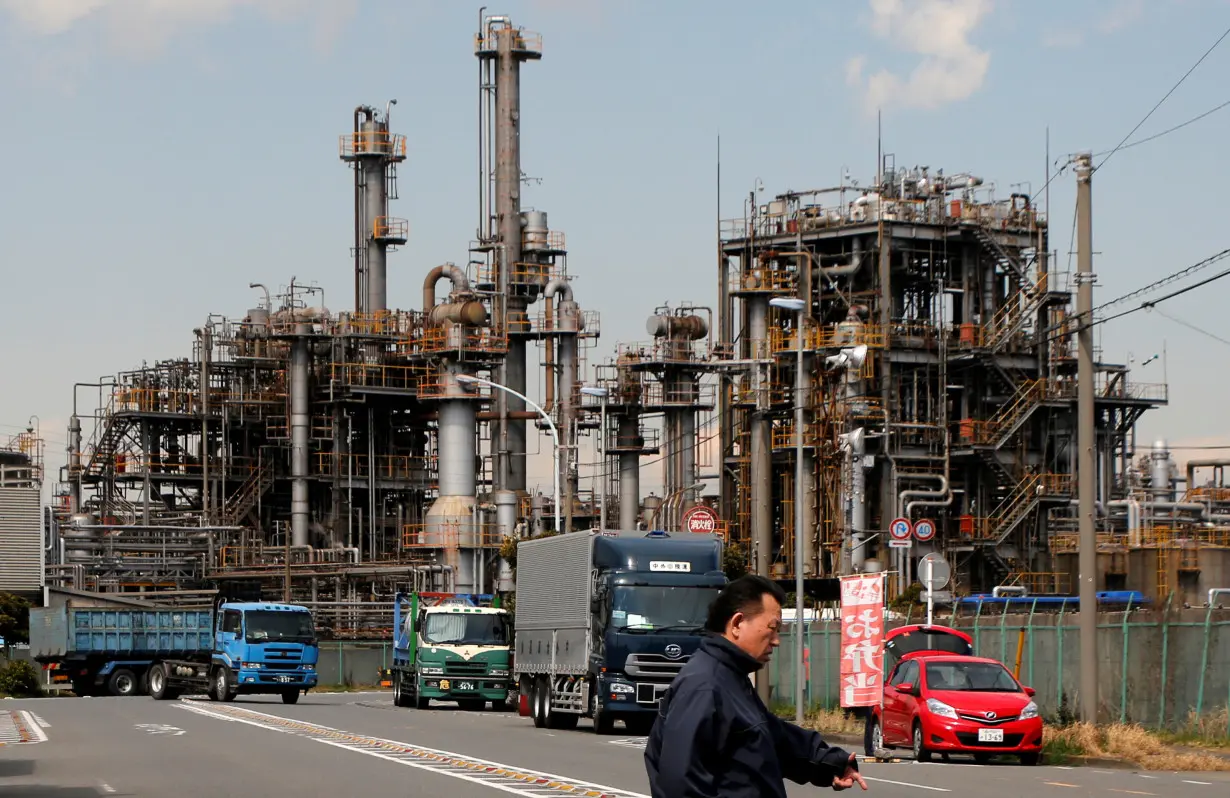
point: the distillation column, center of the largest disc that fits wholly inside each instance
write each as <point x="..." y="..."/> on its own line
<point x="680" y="395"/>
<point x="762" y="463"/>
<point x="299" y="430"/>
<point x="452" y="519"/>
<point x="374" y="153"/>
<point x="568" y="324"/>
<point x="509" y="47"/>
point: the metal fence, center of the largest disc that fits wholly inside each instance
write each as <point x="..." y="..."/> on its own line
<point x="1155" y="668"/>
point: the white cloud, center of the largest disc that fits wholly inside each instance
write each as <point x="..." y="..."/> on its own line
<point x="1122" y="15"/>
<point x="145" y="27"/>
<point x="952" y="68"/>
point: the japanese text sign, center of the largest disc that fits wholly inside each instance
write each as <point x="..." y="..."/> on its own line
<point x="862" y="640"/>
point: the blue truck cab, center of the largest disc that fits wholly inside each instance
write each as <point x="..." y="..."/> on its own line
<point x="236" y="648"/>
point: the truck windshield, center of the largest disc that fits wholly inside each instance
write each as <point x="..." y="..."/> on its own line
<point x="458" y="629"/>
<point x="651" y="607"/>
<point x="287" y="626"/>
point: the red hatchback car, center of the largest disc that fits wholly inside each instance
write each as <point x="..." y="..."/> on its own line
<point x="941" y="703"/>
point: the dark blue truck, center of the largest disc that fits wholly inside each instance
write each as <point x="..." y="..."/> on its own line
<point x="249" y="648"/>
<point x="605" y="620"/>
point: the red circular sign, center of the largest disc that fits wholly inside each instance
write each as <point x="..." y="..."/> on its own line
<point x="700" y="519"/>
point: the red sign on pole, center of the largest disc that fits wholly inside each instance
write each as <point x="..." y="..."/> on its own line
<point x="700" y="519"/>
<point x="862" y="640"/>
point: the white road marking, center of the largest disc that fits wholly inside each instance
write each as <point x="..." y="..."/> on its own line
<point x="40" y="720"/>
<point x="907" y="784"/>
<point x="160" y="728"/>
<point x="107" y="787"/>
<point x="1143" y="776"/>
<point x="1201" y="783"/>
<point x="507" y="778"/>
<point x="36" y="730"/>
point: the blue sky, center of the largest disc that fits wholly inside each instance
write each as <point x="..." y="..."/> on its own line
<point x="162" y="154"/>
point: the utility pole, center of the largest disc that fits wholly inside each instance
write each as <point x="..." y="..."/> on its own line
<point x="1086" y="475"/>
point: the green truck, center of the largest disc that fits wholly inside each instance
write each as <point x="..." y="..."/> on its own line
<point x="451" y="647"/>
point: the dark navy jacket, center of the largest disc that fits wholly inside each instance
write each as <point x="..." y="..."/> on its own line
<point x="714" y="737"/>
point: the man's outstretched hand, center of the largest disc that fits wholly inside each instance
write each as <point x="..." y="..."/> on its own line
<point x="851" y="777"/>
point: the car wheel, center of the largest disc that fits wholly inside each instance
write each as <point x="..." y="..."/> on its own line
<point x="1029" y="760"/>
<point x="921" y="753"/>
<point x="877" y="737"/>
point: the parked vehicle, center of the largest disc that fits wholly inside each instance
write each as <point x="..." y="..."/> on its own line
<point x="450" y="647"/>
<point x="946" y="703"/>
<point x="251" y="648"/>
<point x="606" y="620"/>
<point x="919" y="638"/>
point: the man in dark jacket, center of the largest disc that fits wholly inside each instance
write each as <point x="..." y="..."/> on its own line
<point x="713" y="736"/>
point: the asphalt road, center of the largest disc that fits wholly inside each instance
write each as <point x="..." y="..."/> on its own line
<point x="347" y="744"/>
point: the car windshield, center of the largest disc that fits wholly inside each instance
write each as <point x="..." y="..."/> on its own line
<point x="266" y="625"/>
<point x="977" y="677"/>
<point x="464" y="629"/>
<point x="655" y="608"/>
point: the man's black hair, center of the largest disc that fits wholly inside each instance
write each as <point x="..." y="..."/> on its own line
<point x="746" y="595"/>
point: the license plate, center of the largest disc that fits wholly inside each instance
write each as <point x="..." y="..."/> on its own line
<point x="990" y="735"/>
<point x="465" y="685"/>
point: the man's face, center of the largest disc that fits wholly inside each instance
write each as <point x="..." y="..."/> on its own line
<point x="757" y="633"/>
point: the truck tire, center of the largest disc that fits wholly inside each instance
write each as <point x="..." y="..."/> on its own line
<point x="400" y="697"/>
<point x="421" y="703"/>
<point x="123" y="682"/>
<point x="159" y="687"/>
<point x="290" y="697"/>
<point x="538" y="699"/>
<point x="222" y="689"/>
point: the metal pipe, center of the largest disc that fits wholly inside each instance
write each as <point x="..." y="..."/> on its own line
<point x="1086" y="441"/>
<point x="453" y="272"/>
<point x="1192" y="465"/>
<point x="629" y="474"/>
<point x="568" y="320"/>
<point x="761" y="464"/>
<point x="300" y="428"/>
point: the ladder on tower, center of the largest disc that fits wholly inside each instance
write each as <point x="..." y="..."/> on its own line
<point x="103" y="455"/>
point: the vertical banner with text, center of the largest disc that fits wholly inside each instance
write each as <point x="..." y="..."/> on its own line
<point x="862" y="640"/>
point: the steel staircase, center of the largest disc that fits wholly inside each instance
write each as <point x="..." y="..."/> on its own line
<point x="1003" y="425"/>
<point x="244" y="500"/>
<point x="103" y="455"/>
<point x="1001" y="255"/>
<point x="1014" y="509"/>
<point x="1013" y="316"/>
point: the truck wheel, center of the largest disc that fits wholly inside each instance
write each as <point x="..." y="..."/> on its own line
<point x="123" y="682"/>
<point x="537" y="703"/>
<point x="223" y="690"/>
<point x="400" y="698"/>
<point x="290" y="697"/>
<point x="158" y="686"/>
<point x="422" y="703"/>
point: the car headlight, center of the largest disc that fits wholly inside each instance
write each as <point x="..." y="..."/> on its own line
<point x="251" y="666"/>
<point x="497" y="672"/>
<point x="940" y="709"/>
<point x="431" y="671"/>
<point x="622" y="688"/>
<point x="1030" y="711"/>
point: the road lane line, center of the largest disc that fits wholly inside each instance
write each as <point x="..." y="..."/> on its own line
<point x="1131" y="792"/>
<point x="1060" y="784"/>
<point x="33" y="727"/>
<point x="907" y="784"/>
<point x="507" y="778"/>
<point x="1201" y="783"/>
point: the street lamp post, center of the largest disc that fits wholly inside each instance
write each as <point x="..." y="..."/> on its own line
<point x="797" y="306"/>
<point x="466" y="379"/>
<point x="596" y="390"/>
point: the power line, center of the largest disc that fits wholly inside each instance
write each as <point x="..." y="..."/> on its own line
<point x="1192" y="327"/>
<point x="1164" y="98"/>
<point x="1190" y="270"/>
<point x="1167" y="131"/>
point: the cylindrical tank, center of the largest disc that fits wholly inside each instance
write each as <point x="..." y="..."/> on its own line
<point x="649" y="509"/>
<point x="1159" y="470"/>
<point x="691" y="328"/>
<point x="534" y="226"/>
<point x="471" y="313"/>
<point x="257" y="321"/>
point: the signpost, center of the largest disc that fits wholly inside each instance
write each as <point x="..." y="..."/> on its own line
<point x="924" y="530"/>
<point x="701" y="520"/>
<point x="935" y="574"/>
<point x="899" y="533"/>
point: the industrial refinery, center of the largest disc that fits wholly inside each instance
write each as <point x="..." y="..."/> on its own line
<point x="898" y="353"/>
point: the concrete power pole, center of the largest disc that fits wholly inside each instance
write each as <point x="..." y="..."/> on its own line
<point x="1086" y="441"/>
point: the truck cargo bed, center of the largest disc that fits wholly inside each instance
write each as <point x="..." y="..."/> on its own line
<point x="58" y="632"/>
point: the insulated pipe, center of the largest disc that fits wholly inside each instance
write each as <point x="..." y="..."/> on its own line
<point x="456" y="452"/>
<point x="629" y="473"/>
<point x="1192" y="465"/>
<point x="450" y="270"/>
<point x="74" y="465"/>
<point x="568" y="323"/>
<point x="762" y="464"/>
<point x="299" y="428"/>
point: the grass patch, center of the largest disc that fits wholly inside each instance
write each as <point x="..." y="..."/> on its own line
<point x="1203" y="731"/>
<point x="825" y="721"/>
<point x="1128" y="742"/>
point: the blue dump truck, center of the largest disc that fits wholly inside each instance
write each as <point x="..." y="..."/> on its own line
<point x="605" y="620"/>
<point x="253" y="648"/>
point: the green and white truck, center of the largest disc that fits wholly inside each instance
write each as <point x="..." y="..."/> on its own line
<point x="451" y="647"/>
